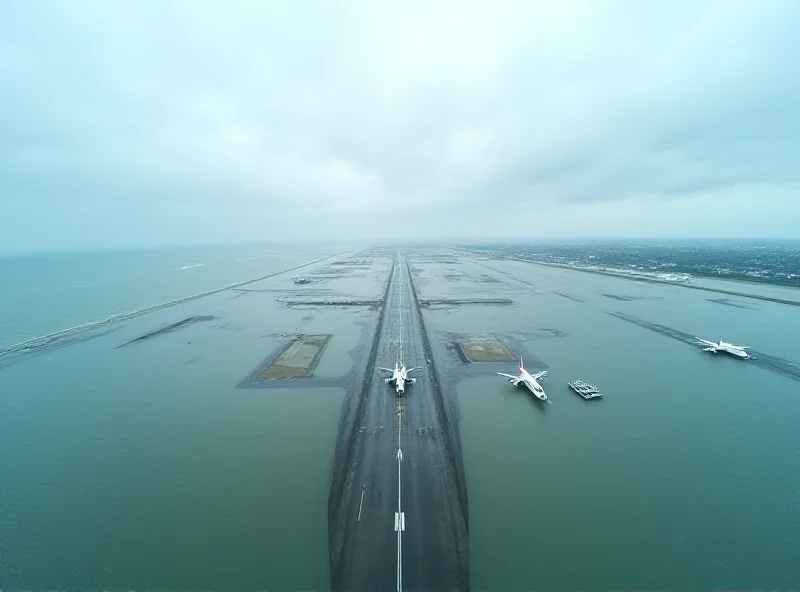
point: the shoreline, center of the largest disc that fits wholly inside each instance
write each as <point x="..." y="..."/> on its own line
<point x="41" y="340"/>
<point x="662" y="282"/>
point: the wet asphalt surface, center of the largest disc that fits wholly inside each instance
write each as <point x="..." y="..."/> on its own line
<point x="432" y="552"/>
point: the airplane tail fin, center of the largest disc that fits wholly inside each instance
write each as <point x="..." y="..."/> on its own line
<point x="521" y="366"/>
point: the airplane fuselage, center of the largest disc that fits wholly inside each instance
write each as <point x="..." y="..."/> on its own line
<point x="399" y="378"/>
<point x="530" y="381"/>
<point x="732" y="350"/>
<point x="728" y="348"/>
<point x="533" y="386"/>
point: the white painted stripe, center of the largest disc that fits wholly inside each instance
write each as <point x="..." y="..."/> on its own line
<point x="399" y="516"/>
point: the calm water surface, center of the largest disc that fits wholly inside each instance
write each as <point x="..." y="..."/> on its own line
<point x="687" y="475"/>
<point x="43" y="293"/>
<point x="144" y="467"/>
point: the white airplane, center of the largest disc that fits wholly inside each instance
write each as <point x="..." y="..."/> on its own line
<point x="400" y="377"/>
<point x="529" y="380"/>
<point x="734" y="350"/>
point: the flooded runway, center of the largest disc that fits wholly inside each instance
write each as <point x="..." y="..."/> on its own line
<point x="180" y="462"/>
<point x="394" y="449"/>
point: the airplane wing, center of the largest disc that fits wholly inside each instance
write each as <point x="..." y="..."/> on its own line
<point x="416" y="368"/>
<point x="705" y="341"/>
<point x="387" y="369"/>
<point x="508" y="375"/>
<point x="539" y="375"/>
<point x="743" y="346"/>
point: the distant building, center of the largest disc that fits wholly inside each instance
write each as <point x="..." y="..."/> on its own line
<point x="675" y="277"/>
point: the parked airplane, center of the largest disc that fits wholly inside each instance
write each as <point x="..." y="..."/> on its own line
<point x="400" y="377"/>
<point x="734" y="350"/>
<point x="529" y="380"/>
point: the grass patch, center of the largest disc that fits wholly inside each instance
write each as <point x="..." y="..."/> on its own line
<point x="485" y="348"/>
<point x="297" y="359"/>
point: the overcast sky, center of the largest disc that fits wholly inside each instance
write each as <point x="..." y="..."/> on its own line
<point x="146" y="123"/>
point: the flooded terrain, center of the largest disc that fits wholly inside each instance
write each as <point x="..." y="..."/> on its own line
<point x="398" y="456"/>
<point x="179" y="461"/>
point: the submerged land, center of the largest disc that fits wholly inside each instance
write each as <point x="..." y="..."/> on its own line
<point x="261" y="408"/>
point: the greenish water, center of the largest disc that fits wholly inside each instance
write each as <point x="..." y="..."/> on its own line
<point x="48" y="292"/>
<point x="156" y="473"/>
<point x="144" y="467"/>
<point x="687" y="474"/>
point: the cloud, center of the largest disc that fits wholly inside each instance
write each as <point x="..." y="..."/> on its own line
<point x="248" y="121"/>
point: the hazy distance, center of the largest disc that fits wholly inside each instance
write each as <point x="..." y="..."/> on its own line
<point x="156" y="123"/>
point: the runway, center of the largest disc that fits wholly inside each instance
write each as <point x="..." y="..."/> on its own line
<point x="373" y="483"/>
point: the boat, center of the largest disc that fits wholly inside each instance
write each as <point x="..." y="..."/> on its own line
<point x="585" y="389"/>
